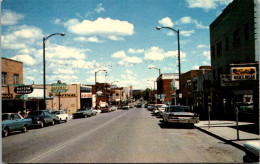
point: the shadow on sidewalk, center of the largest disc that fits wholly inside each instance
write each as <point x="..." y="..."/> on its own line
<point x="251" y="128"/>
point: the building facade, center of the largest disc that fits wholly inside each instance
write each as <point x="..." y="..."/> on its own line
<point x="233" y="38"/>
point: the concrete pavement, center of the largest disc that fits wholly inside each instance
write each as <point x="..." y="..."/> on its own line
<point x="227" y="131"/>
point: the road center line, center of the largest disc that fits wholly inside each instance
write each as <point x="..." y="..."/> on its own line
<point x="46" y="154"/>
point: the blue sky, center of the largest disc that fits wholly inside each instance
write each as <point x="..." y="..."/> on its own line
<point x="116" y="35"/>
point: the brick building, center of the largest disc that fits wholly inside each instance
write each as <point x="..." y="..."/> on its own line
<point x="12" y="76"/>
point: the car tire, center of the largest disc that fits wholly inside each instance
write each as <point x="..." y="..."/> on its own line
<point x="5" y="132"/>
<point x="24" y="129"/>
<point x="85" y="115"/>
<point x="66" y="119"/>
<point x="60" y="121"/>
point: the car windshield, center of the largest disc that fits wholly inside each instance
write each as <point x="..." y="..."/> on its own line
<point x="4" y="117"/>
<point x="56" y="112"/>
<point x="179" y="109"/>
<point x="80" y="110"/>
<point x="36" y="113"/>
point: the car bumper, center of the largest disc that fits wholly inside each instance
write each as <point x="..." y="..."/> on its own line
<point x="36" y="123"/>
<point x="184" y="120"/>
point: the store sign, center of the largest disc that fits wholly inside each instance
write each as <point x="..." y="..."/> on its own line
<point x="7" y="95"/>
<point x="226" y="81"/>
<point x="243" y="73"/>
<point x="23" y="89"/>
<point x="86" y="95"/>
<point x="59" y="87"/>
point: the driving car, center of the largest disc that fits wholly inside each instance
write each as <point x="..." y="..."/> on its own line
<point x="14" y="122"/>
<point x="105" y="109"/>
<point x="61" y="115"/>
<point x="42" y="117"/>
<point x="82" y="113"/>
<point x="139" y="105"/>
<point x="180" y="114"/>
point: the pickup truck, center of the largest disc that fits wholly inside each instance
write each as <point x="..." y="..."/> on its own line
<point x="14" y="122"/>
<point x="61" y="115"/>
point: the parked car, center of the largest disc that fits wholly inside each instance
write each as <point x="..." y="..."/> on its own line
<point x="252" y="150"/>
<point x="161" y="110"/>
<point x="93" y="111"/>
<point x="113" y="108"/>
<point x="156" y="108"/>
<point x="82" y="113"/>
<point x="14" y="122"/>
<point x="145" y="105"/>
<point x="125" y="108"/>
<point x="139" y="105"/>
<point x="150" y="107"/>
<point x="42" y="118"/>
<point x="180" y="114"/>
<point x="105" y="109"/>
<point x="61" y="115"/>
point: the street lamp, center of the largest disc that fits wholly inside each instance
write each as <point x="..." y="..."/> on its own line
<point x="154" y="88"/>
<point x="179" y="60"/>
<point x="44" y="78"/>
<point x="96" y="83"/>
<point x="157" y="69"/>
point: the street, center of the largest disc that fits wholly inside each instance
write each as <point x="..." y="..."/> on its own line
<point x="122" y="136"/>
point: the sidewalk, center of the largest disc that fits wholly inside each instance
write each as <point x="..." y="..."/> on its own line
<point x="227" y="131"/>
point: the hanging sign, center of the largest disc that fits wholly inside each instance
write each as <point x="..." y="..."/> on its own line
<point x="243" y="73"/>
<point x="23" y="89"/>
<point x="59" y="87"/>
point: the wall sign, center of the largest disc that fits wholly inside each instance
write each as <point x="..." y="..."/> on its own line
<point x="243" y="73"/>
<point x="23" y="89"/>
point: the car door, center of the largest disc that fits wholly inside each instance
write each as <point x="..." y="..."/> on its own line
<point x="47" y="117"/>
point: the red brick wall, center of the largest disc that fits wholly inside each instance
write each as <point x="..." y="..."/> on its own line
<point x="12" y="67"/>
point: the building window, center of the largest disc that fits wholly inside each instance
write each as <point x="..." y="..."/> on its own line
<point x="213" y="52"/>
<point x="236" y="38"/>
<point x="219" y="49"/>
<point x="227" y="44"/>
<point x="16" y="79"/>
<point x="246" y="32"/>
<point x="4" y="78"/>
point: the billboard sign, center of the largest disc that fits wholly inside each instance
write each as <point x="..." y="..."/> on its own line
<point x="243" y="73"/>
<point x="226" y="81"/>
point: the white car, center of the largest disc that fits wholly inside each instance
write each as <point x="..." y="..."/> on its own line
<point x="161" y="110"/>
<point x="61" y="115"/>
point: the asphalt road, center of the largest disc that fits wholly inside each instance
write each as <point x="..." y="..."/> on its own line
<point x="122" y="136"/>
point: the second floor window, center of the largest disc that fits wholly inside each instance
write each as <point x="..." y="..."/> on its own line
<point x="219" y="49"/>
<point x="236" y="38"/>
<point x="227" y="44"/>
<point x="213" y="52"/>
<point x="247" y="31"/>
<point x="16" y="79"/>
<point x="4" y="78"/>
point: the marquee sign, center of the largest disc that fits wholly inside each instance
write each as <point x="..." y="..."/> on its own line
<point x="243" y="73"/>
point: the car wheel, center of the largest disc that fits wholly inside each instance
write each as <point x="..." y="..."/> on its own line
<point x="86" y="116"/>
<point x="5" y="132"/>
<point x="59" y="121"/>
<point x="24" y="129"/>
<point x="66" y="119"/>
<point x="41" y="124"/>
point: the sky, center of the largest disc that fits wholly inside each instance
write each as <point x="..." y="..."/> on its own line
<point x="118" y="36"/>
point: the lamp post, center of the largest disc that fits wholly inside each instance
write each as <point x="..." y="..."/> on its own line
<point x="179" y="59"/>
<point x="157" y="69"/>
<point x="96" y="83"/>
<point x="153" y="89"/>
<point x="44" y="73"/>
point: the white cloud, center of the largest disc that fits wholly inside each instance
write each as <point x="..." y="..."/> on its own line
<point x="27" y="59"/>
<point x="130" y="60"/>
<point x="166" y="22"/>
<point x="101" y="27"/>
<point x="100" y="8"/>
<point x="187" y="33"/>
<point x="207" y="4"/>
<point x="114" y="37"/>
<point x="119" y="54"/>
<point x="89" y="39"/>
<point x="133" y="51"/>
<point x="21" y="37"/>
<point x="167" y="69"/>
<point x="129" y="72"/>
<point x="202" y="46"/>
<point x="196" y="67"/>
<point x="207" y="54"/>
<point x="155" y="53"/>
<point x="189" y="20"/>
<point x="10" y="17"/>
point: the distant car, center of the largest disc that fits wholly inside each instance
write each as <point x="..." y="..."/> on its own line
<point x="42" y="118"/>
<point x="150" y="107"/>
<point x="252" y="150"/>
<point x="82" y="113"/>
<point x="113" y="108"/>
<point x="145" y="105"/>
<point x="61" y="115"/>
<point x="14" y="122"/>
<point x="93" y="111"/>
<point x="139" y="105"/>
<point x="180" y="114"/>
<point x="105" y="109"/>
<point x="125" y="108"/>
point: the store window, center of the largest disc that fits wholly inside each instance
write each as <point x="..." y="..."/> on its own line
<point x="16" y="79"/>
<point x="4" y="78"/>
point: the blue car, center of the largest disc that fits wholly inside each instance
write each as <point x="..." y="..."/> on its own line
<point x="14" y="122"/>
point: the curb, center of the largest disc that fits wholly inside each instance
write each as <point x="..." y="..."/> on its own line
<point x="222" y="139"/>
